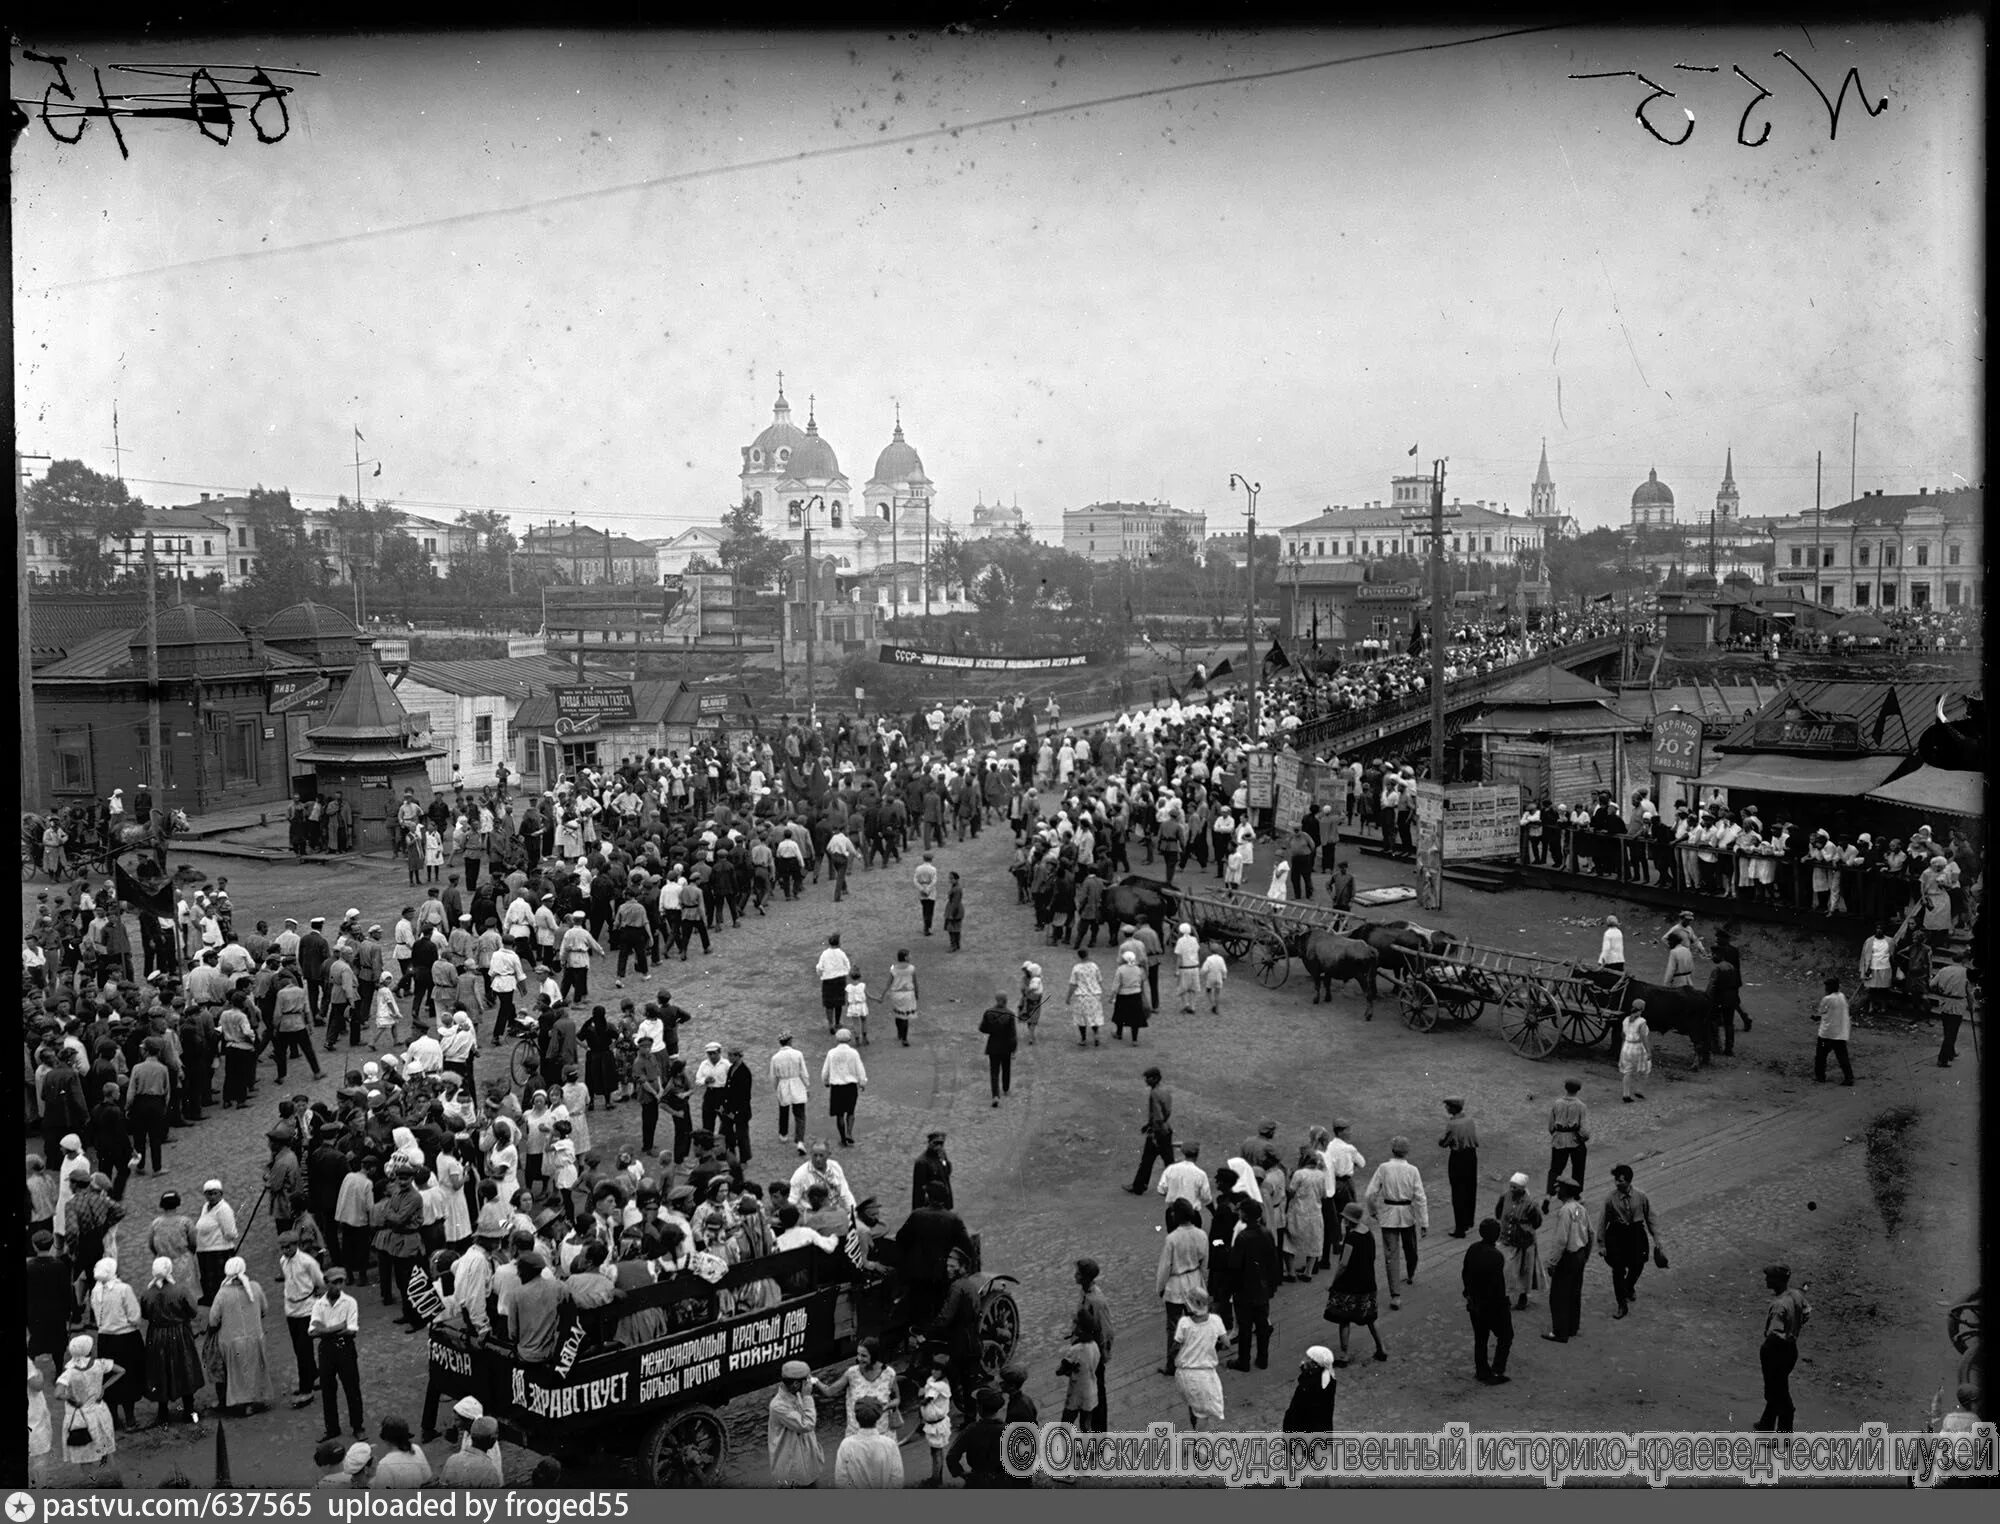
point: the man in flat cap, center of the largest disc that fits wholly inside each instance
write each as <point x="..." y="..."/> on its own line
<point x="796" y="1457"/>
<point x="932" y="1168"/>
<point x="1461" y="1145"/>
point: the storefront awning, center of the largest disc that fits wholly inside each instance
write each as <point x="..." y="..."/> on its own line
<point x="1834" y="777"/>
<point x="1931" y="788"/>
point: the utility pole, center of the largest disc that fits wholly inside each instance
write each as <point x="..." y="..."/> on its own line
<point x="812" y="617"/>
<point x="117" y="454"/>
<point x="1853" y="445"/>
<point x="1436" y="516"/>
<point x="1251" y="489"/>
<point x="1816" y="528"/>
<point x="927" y="557"/>
<point x="155" y="773"/>
<point x="31" y="751"/>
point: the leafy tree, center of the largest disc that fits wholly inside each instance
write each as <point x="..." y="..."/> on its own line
<point x="83" y="512"/>
<point x="748" y="554"/>
<point x="289" y="568"/>
<point x="405" y="565"/>
<point x="1178" y="542"/>
<point x="699" y="565"/>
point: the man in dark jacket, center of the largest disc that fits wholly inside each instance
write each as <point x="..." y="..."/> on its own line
<point x="315" y="953"/>
<point x="736" y="1094"/>
<point x="931" y="1168"/>
<point x="1254" y="1274"/>
<point x="1725" y="989"/>
<point x="957" y="1328"/>
<point x="930" y="1239"/>
<point x="112" y="1139"/>
<point x="1485" y="1279"/>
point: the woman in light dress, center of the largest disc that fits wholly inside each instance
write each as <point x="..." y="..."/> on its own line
<point x="1305" y="1218"/>
<point x="503" y="1161"/>
<point x="1085" y="999"/>
<point x="866" y="1377"/>
<point x="1195" y="1361"/>
<point x="1281" y="881"/>
<point x="41" y="1429"/>
<point x="172" y="1235"/>
<point x="1635" y="1057"/>
<point x="902" y="999"/>
<point x="82" y="1409"/>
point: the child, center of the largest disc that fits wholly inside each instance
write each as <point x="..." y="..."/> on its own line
<point x="934" y="1414"/>
<point x="1031" y="998"/>
<point x="575" y="1100"/>
<point x="386" y="1017"/>
<point x="1020" y="1406"/>
<point x="1214" y="974"/>
<point x="625" y="1049"/>
<point x="855" y="1017"/>
<point x="559" y="1161"/>
<point x="1079" y="1363"/>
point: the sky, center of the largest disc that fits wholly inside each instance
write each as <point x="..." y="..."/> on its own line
<point x="558" y="274"/>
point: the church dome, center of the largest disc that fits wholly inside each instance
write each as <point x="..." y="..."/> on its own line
<point x="898" y="462"/>
<point x="1652" y="492"/>
<point x="309" y="621"/>
<point x="812" y="457"/>
<point x="773" y="449"/>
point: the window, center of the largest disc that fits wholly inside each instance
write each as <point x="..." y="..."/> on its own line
<point x="431" y="544"/>
<point x="482" y="738"/>
<point x="1923" y="555"/>
<point x="1920" y="595"/>
<point x="72" y="758"/>
<point x="1826" y="594"/>
<point x="531" y="757"/>
<point x="1951" y="555"/>
<point x="836" y="515"/>
<point x="1888" y="598"/>
<point x="1951" y="593"/>
<point x="884" y="509"/>
<point x="1350" y="547"/>
<point x="139" y="736"/>
<point x="577" y="754"/>
<point x="239" y="753"/>
<point x="243" y="566"/>
<point x="1798" y="555"/>
<point x="1861" y="556"/>
<point x="1861" y="595"/>
<point x="242" y="539"/>
<point x="756" y="457"/>
<point x="31" y="547"/>
<point x="1320" y="548"/>
<point x="1489" y="542"/>
<point x="1826" y="556"/>
<point x="1888" y="555"/>
<point x="208" y="547"/>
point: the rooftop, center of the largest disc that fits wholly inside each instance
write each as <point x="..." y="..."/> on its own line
<point x="1918" y="702"/>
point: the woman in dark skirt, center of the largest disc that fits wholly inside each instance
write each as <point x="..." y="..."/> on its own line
<point x="173" y="1364"/>
<point x="1128" y="1009"/>
<point x="600" y="1063"/>
<point x="1352" y="1296"/>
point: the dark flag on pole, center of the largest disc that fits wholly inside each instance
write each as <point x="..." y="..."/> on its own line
<point x="1222" y="670"/>
<point x="1275" y="658"/>
<point x="1173" y="691"/>
<point x="1603" y="598"/>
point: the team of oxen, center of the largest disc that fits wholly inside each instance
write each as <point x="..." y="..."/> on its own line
<point x="1387" y="947"/>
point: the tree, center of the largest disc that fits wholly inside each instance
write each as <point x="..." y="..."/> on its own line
<point x="83" y="512"/>
<point x="953" y="561"/>
<point x="405" y="565"/>
<point x="699" y="565"/>
<point x="1177" y="541"/>
<point x="484" y="574"/>
<point x="748" y="554"/>
<point x="289" y="568"/>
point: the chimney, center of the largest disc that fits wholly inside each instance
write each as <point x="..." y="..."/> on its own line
<point x="204" y="497"/>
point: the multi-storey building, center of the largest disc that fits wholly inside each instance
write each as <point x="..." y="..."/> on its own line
<point x="1918" y="550"/>
<point x="1127" y="531"/>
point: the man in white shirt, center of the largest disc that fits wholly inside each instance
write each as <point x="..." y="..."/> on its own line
<point x="303" y="1282"/>
<point x="1186" y="1180"/>
<point x="1187" y="961"/>
<point x="793" y="1234"/>
<point x="505" y="972"/>
<point x="839" y="852"/>
<point x="926" y="879"/>
<point x="425" y="1054"/>
<point x="578" y="945"/>
<point x="711" y="1076"/>
<point x="1343" y="1160"/>
<point x="1397" y="1203"/>
<point x="1611" y="951"/>
<point x="833" y="968"/>
<point x="334" y="1324"/>
<point x="821" y="1168"/>
<point x="788" y="1076"/>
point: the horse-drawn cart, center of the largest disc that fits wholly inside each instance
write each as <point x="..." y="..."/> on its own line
<point x="1270" y="933"/>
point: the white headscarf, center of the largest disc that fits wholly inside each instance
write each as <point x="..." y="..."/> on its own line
<point x="1246" y="1181"/>
<point x="1321" y="1356"/>
<point x="237" y="1270"/>
<point x="163" y="1271"/>
<point x="105" y="1271"/>
<point x="81" y="1349"/>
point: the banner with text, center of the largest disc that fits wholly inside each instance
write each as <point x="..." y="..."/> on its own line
<point x="909" y="656"/>
<point x="1263" y="780"/>
<point x="582" y="708"/>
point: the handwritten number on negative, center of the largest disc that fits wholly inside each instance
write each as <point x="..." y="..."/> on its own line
<point x="207" y="107"/>
<point x="1640" y="112"/>
<point x="1743" y="122"/>
<point x="1833" y="106"/>
<point x="269" y="92"/>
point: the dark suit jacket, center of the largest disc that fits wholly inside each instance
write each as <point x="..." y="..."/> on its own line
<point x="736" y="1091"/>
<point x="1485" y="1276"/>
<point x="1253" y="1266"/>
<point x="923" y="1175"/>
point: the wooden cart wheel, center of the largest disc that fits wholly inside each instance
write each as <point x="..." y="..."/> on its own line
<point x="1420" y="1006"/>
<point x="687" y="1448"/>
<point x="1583" y="1026"/>
<point x="1273" y="960"/>
<point x="27" y="869"/>
<point x="1528" y="1022"/>
<point x="999" y="1332"/>
<point x="1236" y="948"/>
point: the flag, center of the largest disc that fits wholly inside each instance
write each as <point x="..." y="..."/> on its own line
<point x="1222" y="670"/>
<point x="157" y="900"/>
<point x="571" y="1348"/>
<point x="422" y="1297"/>
<point x="1890" y="706"/>
<point x="1276" y="658"/>
<point x="357" y="437"/>
<point x="1413" y="449"/>
<point x="856" y="1248"/>
<point x="1603" y="597"/>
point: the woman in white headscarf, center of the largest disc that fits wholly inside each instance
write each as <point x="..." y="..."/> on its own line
<point x="173" y="1365"/>
<point x="82" y="1417"/>
<point x="408" y="1152"/>
<point x="1129" y="1003"/>
<point x="1311" y="1408"/>
<point x="237" y="1316"/>
<point x="114" y="1313"/>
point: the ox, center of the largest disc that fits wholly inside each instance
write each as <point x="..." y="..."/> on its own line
<point x="1684" y="1010"/>
<point x="1331" y="959"/>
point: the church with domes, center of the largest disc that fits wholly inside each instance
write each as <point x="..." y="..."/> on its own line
<point x="785" y="468"/>
<point x="1652" y="503"/>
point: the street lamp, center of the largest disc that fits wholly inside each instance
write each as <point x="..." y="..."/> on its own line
<point x="805" y="511"/>
<point x="1250" y="609"/>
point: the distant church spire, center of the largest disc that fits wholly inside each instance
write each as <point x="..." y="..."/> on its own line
<point x="1542" y="495"/>
<point x="1728" y="502"/>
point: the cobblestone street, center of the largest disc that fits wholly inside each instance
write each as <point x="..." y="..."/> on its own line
<point x="1038" y="1177"/>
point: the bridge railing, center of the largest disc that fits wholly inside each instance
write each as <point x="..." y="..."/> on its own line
<point x="1317" y="735"/>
